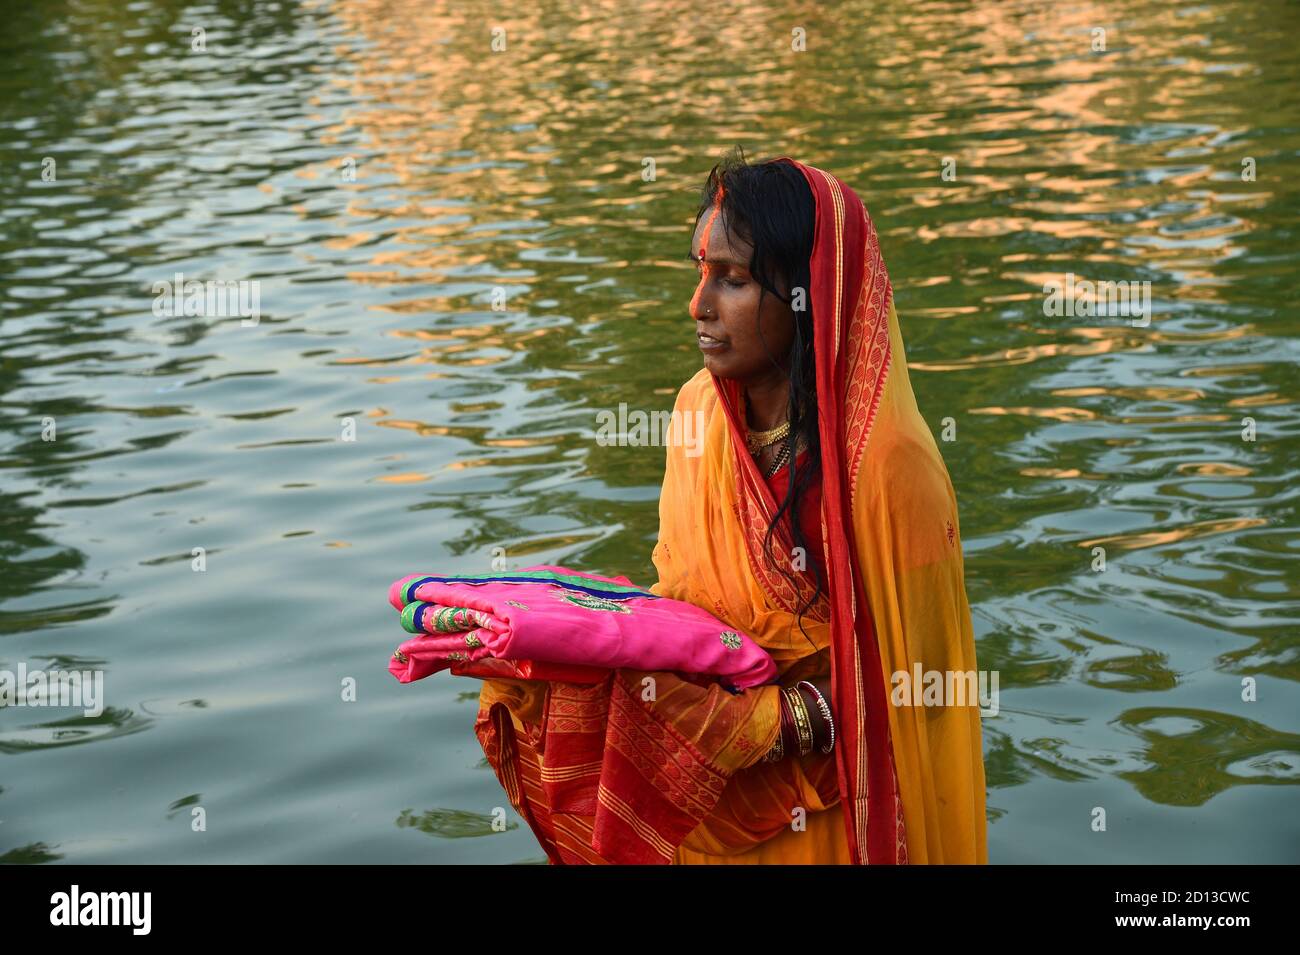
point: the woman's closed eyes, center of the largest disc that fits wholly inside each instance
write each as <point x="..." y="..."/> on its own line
<point x="730" y="282"/>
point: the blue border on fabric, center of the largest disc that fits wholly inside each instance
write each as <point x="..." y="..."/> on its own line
<point x="565" y="585"/>
<point x="408" y="592"/>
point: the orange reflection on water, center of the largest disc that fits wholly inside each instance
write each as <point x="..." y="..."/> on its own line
<point x="1222" y="371"/>
<point x="469" y="463"/>
<point x="1214" y="469"/>
<point x="1109" y="340"/>
<point x="1151" y="393"/>
<point x="1186" y="532"/>
<point x="419" y="427"/>
<point x="1268" y="398"/>
<point x="1056" y="414"/>
<point x="1054" y="473"/>
<point x="539" y="442"/>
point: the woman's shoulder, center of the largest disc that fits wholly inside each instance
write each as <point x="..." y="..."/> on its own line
<point x="905" y="468"/>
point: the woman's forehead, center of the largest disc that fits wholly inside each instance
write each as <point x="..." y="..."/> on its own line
<point x="719" y="241"/>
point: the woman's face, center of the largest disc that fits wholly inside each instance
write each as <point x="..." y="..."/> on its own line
<point x="738" y="338"/>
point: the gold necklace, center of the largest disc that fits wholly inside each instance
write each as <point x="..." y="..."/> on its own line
<point x="756" y="441"/>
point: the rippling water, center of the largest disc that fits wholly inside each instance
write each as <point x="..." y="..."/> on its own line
<point x="457" y="253"/>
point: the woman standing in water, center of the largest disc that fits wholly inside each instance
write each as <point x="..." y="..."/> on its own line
<point x="820" y="520"/>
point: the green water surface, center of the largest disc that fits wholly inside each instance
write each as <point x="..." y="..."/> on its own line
<point x="499" y="270"/>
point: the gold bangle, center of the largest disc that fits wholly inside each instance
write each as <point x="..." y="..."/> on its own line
<point x="801" y="721"/>
<point x="825" y="709"/>
<point x="777" y="751"/>
<point x="808" y="737"/>
<point x="794" y="713"/>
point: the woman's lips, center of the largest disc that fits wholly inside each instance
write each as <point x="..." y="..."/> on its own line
<point x="708" y="343"/>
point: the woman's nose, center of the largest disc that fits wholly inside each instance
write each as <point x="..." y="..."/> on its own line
<point x="699" y="306"/>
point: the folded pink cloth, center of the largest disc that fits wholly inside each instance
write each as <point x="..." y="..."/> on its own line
<point x="576" y="625"/>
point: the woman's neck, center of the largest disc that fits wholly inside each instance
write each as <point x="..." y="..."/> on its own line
<point x="769" y="401"/>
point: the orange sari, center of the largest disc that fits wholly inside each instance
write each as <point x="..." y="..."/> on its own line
<point x="904" y="783"/>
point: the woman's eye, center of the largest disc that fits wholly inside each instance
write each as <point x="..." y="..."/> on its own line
<point x="733" y="283"/>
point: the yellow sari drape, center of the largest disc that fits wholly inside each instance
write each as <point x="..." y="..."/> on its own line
<point x="913" y="572"/>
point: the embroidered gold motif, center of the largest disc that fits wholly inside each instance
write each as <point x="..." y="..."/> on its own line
<point x="731" y="639"/>
<point x="590" y="602"/>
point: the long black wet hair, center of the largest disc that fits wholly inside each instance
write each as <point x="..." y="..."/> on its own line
<point x="770" y="205"/>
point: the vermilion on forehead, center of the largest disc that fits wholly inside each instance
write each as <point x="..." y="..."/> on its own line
<point x="701" y="259"/>
<point x="722" y="260"/>
<point x="708" y="226"/>
<point x="702" y="255"/>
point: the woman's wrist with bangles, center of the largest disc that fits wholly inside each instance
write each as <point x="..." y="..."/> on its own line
<point x="807" y="723"/>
